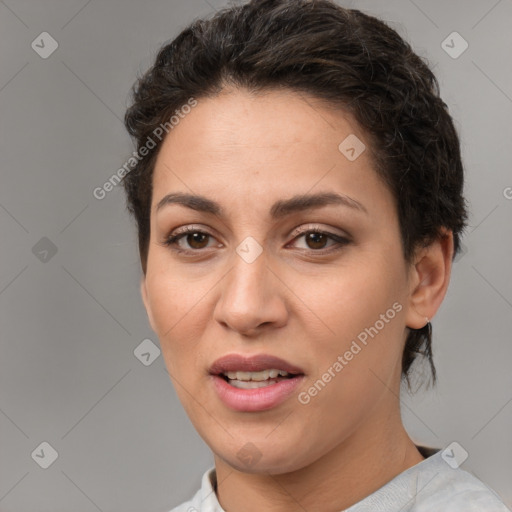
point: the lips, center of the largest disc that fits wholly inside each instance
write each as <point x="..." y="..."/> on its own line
<point x="254" y="394"/>
<point x="256" y="363"/>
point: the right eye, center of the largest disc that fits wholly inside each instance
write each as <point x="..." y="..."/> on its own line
<point x="194" y="237"/>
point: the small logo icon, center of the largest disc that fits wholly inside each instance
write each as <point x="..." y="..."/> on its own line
<point x="351" y="147"/>
<point x="146" y="352"/>
<point x="454" y="455"/>
<point x="44" y="250"/>
<point x="44" y="45"/>
<point x="249" y="454"/>
<point x="454" y="45"/>
<point x="45" y="455"/>
<point x="249" y="249"/>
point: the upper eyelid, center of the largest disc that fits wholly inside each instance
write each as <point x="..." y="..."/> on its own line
<point x="191" y="228"/>
<point x="316" y="227"/>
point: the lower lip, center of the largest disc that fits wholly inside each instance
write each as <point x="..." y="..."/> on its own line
<point x="259" y="399"/>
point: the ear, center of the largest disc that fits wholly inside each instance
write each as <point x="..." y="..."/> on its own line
<point x="145" y="300"/>
<point x="429" y="278"/>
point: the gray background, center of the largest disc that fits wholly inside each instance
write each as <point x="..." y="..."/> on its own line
<point x="70" y="321"/>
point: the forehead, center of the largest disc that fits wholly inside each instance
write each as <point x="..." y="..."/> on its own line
<point x="272" y="144"/>
<point x="273" y="121"/>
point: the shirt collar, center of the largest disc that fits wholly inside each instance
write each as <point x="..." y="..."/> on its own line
<point x="401" y="490"/>
<point x="209" y="502"/>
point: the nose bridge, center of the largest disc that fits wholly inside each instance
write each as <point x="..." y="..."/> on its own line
<point x="248" y="283"/>
<point x="250" y="294"/>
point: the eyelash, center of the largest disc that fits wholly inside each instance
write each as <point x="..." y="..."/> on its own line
<point x="172" y="240"/>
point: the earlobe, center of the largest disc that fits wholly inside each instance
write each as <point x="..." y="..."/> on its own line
<point x="429" y="280"/>
<point x="145" y="300"/>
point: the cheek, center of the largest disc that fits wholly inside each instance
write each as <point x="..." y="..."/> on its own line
<point x="176" y="305"/>
<point x="353" y="297"/>
<point x="361" y="311"/>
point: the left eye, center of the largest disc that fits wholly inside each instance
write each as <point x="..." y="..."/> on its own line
<point x="317" y="239"/>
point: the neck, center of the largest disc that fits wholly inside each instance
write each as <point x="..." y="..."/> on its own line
<point x="355" y="468"/>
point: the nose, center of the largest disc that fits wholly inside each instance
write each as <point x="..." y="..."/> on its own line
<point x="252" y="298"/>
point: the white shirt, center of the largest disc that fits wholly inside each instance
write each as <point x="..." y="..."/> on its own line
<point x="429" y="486"/>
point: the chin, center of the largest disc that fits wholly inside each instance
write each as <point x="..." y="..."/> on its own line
<point x="263" y="466"/>
<point x="262" y="458"/>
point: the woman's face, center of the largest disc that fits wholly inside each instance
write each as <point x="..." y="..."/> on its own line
<point x="254" y="280"/>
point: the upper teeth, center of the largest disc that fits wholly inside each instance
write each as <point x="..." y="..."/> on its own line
<point x="263" y="375"/>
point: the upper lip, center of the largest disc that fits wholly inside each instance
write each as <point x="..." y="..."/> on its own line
<point x="255" y="363"/>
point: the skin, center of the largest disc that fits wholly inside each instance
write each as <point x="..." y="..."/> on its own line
<point x="247" y="151"/>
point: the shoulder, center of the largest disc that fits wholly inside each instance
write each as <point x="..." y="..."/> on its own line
<point x="441" y="487"/>
<point x="432" y="486"/>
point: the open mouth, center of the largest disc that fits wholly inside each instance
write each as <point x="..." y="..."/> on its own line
<point x="253" y="380"/>
<point x="254" y="383"/>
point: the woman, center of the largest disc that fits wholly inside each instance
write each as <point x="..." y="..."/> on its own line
<point x="298" y="195"/>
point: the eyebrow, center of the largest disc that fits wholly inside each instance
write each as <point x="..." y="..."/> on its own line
<point x="278" y="210"/>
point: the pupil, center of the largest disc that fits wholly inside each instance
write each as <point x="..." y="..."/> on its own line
<point x="196" y="238"/>
<point x="312" y="237"/>
<point x="317" y="239"/>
